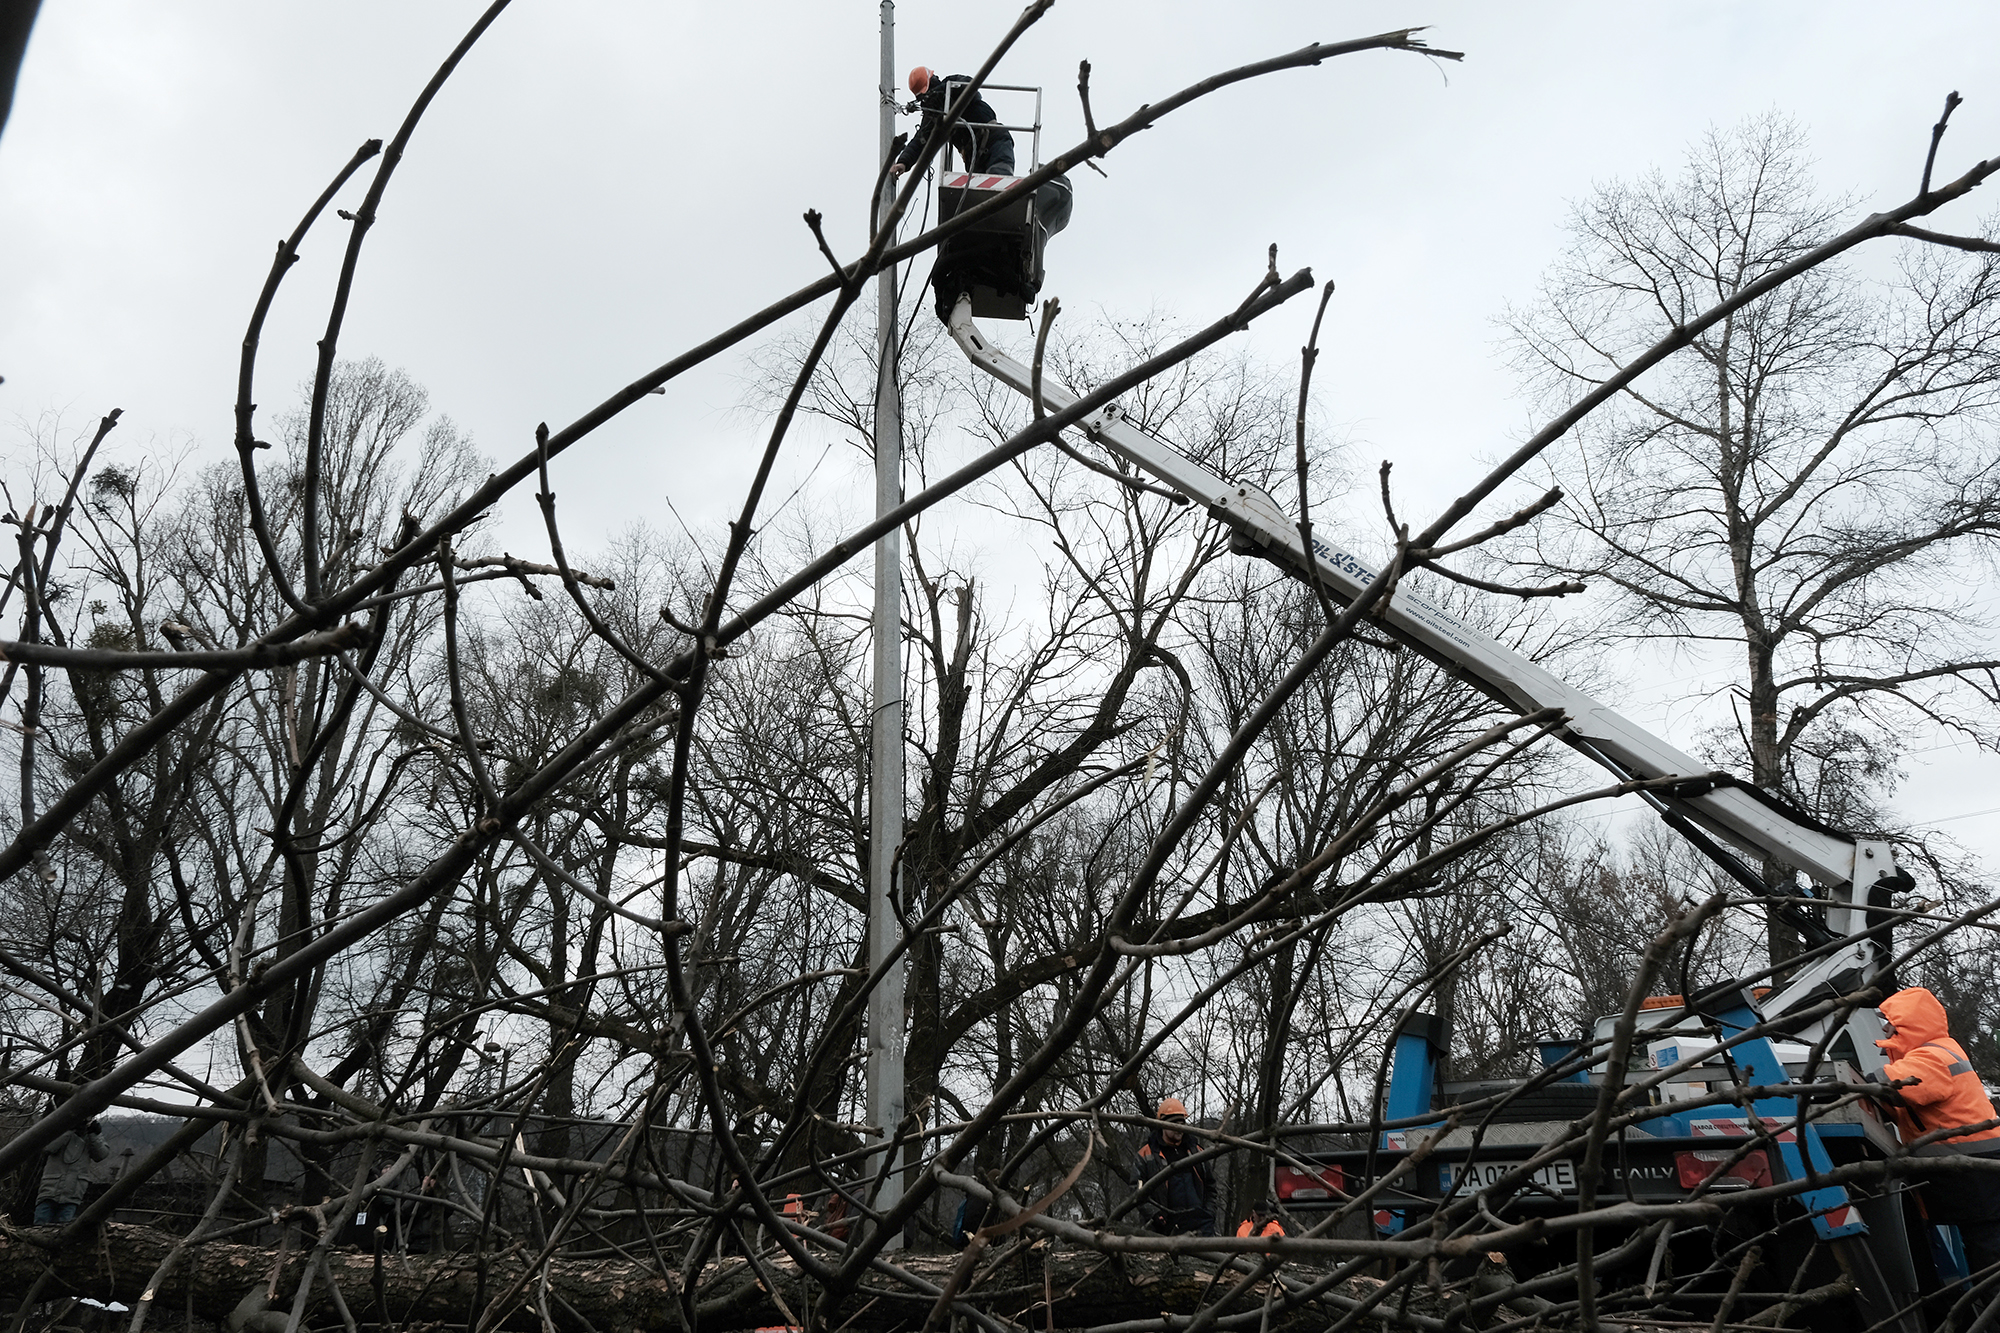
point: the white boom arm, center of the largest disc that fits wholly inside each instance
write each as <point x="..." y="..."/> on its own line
<point x="1847" y="867"/>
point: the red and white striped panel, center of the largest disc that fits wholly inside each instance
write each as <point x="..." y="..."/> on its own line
<point x="1740" y="1129"/>
<point x="962" y="181"/>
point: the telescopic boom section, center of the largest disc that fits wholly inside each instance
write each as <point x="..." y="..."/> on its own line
<point x="1856" y="873"/>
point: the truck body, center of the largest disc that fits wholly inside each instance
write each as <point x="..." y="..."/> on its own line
<point x="1512" y="1148"/>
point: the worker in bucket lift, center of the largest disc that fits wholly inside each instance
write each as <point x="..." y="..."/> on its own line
<point x="986" y="152"/>
<point x="1947" y="1094"/>
<point x="1180" y="1202"/>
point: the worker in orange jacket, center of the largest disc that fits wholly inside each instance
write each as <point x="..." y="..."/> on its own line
<point x="1946" y="1095"/>
<point x="1263" y="1221"/>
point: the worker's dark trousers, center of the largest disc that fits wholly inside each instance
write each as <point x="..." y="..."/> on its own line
<point x="1982" y="1248"/>
<point x="1968" y="1199"/>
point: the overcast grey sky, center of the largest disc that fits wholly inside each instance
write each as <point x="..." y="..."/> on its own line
<point x="608" y="181"/>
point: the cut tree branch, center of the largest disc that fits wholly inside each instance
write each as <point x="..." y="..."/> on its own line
<point x="353" y="634"/>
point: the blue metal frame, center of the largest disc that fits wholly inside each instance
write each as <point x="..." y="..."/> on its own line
<point x="1804" y="1155"/>
<point x="1421" y="1042"/>
<point x="1554" y="1051"/>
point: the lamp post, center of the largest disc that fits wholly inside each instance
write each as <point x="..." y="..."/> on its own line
<point x="885" y="749"/>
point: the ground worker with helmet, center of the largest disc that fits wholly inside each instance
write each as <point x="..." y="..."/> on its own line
<point x="1946" y="1094"/>
<point x="1179" y="1202"/>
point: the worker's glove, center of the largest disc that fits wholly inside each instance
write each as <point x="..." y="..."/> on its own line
<point x="898" y="169"/>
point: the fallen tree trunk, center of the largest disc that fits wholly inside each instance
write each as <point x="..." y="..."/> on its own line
<point x="607" y="1295"/>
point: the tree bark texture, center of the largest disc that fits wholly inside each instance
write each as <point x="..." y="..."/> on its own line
<point x="615" y="1294"/>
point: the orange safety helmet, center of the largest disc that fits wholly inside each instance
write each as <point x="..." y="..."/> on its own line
<point x="920" y="80"/>
<point x="1171" y="1106"/>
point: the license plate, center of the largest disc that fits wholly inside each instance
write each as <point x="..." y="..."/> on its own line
<point x="1558" y="1177"/>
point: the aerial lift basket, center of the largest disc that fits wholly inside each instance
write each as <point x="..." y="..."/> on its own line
<point x="998" y="260"/>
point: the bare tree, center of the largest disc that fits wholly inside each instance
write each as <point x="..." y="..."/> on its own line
<point x="1805" y="488"/>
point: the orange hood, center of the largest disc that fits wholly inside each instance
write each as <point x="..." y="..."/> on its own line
<point x="1918" y="1017"/>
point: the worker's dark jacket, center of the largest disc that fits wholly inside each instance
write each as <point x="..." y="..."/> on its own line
<point x="1177" y="1205"/>
<point x="1948" y="1094"/>
<point x="66" y="1162"/>
<point x="987" y="150"/>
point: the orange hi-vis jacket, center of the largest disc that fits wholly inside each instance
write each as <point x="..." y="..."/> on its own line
<point x="1951" y="1093"/>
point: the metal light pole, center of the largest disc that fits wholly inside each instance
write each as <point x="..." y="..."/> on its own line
<point x="885" y="789"/>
